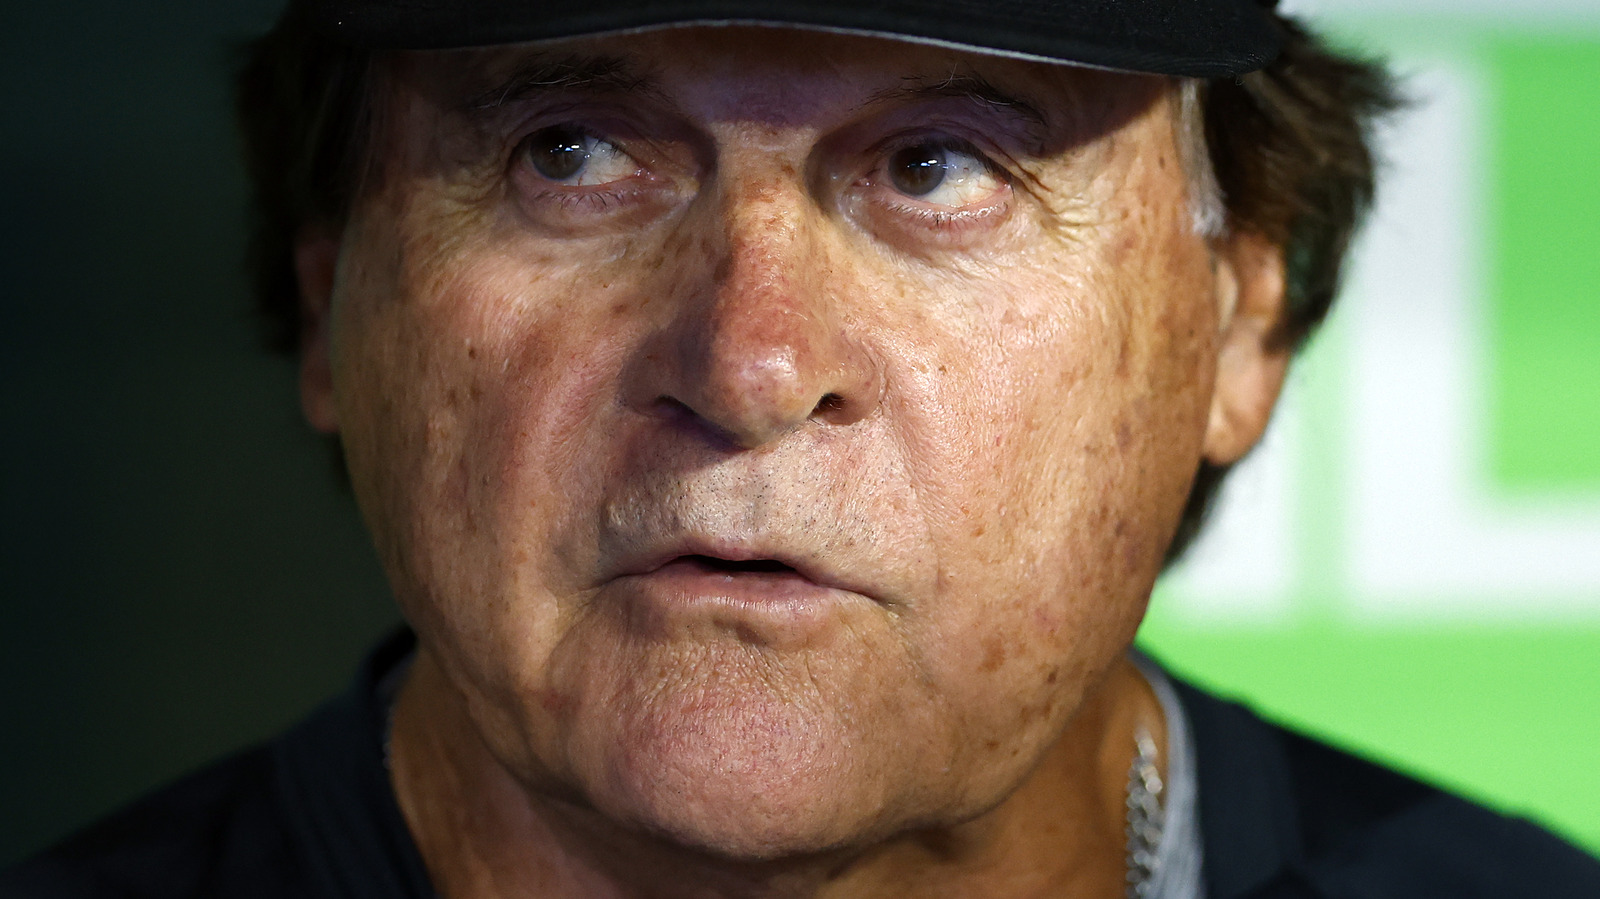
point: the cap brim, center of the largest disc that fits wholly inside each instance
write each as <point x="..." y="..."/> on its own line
<point x="1199" y="38"/>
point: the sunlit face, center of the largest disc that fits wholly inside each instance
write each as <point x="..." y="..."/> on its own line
<point x="772" y="436"/>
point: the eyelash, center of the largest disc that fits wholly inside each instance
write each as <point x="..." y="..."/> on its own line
<point x="589" y="199"/>
<point x="945" y="218"/>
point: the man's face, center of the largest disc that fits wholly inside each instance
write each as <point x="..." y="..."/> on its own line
<point x="773" y="437"/>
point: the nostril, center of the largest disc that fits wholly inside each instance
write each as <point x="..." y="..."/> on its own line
<point x="830" y="402"/>
<point x="673" y="409"/>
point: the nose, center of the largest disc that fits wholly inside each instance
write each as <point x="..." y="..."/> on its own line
<point x="765" y="335"/>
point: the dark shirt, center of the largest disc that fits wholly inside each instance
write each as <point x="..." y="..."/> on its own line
<point x="311" y="815"/>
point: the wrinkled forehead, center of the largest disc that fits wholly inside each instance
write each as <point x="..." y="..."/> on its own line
<point x="779" y="76"/>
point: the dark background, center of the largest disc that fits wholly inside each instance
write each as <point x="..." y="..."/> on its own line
<point x="179" y="573"/>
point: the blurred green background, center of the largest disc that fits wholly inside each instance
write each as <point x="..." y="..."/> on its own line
<point x="181" y="576"/>
<point x="1432" y="594"/>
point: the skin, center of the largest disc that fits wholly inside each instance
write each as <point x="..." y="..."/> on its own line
<point x="965" y="421"/>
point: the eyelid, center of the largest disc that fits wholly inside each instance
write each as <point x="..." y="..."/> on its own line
<point x="639" y="130"/>
<point x="917" y="225"/>
<point x="950" y="136"/>
<point x="652" y="183"/>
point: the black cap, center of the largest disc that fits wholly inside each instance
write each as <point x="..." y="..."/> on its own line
<point x="1203" y="38"/>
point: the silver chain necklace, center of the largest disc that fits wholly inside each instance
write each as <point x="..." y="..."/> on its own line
<point x="1146" y="817"/>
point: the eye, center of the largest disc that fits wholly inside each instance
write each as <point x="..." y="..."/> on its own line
<point x="572" y="156"/>
<point x="942" y="175"/>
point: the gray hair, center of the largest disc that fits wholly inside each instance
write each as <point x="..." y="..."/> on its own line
<point x="1206" y="207"/>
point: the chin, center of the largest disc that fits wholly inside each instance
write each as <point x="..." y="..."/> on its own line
<point x="740" y="837"/>
<point x="743" y="823"/>
<point x="757" y="780"/>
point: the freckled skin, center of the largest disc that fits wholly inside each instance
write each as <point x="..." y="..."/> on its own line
<point x="988" y="432"/>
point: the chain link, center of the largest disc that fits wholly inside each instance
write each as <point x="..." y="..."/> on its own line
<point x="1146" y="817"/>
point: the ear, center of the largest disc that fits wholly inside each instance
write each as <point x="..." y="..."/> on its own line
<point x="1253" y="354"/>
<point x="316" y="258"/>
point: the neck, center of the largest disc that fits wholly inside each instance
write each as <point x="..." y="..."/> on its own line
<point x="483" y="834"/>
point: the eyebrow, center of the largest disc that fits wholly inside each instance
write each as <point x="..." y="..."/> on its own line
<point x="574" y="74"/>
<point x="965" y="86"/>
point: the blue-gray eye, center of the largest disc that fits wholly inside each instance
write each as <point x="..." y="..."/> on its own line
<point x="919" y="169"/>
<point x="558" y="153"/>
<point x="572" y="156"/>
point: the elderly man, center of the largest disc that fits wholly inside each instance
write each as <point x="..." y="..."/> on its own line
<point x="772" y="419"/>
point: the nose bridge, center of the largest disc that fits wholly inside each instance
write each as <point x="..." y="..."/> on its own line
<point x="759" y="348"/>
<point x="767" y="278"/>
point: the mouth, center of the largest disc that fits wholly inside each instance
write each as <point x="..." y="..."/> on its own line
<point x="720" y="574"/>
<point x="730" y="559"/>
<point x="757" y="600"/>
<point x="728" y="570"/>
<point x="713" y="564"/>
<point x="755" y="568"/>
<point x="768" y="592"/>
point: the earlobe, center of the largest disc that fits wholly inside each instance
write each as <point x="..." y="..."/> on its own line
<point x="316" y="258"/>
<point x="1253" y="355"/>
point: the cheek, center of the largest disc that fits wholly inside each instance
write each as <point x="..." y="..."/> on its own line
<point x="1067" y="434"/>
<point x="473" y="389"/>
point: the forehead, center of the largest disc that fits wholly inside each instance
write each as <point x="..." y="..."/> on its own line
<point x="783" y="77"/>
